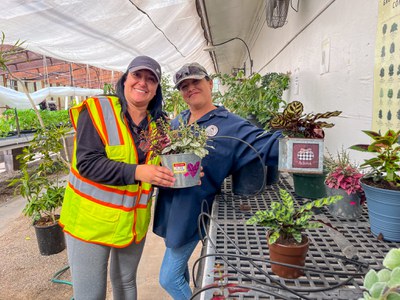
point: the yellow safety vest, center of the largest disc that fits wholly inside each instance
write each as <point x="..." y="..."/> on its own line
<point x="105" y="214"/>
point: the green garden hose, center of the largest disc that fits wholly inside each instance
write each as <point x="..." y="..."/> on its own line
<point x="56" y="279"/>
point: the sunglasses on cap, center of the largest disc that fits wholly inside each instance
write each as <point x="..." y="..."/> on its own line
<point x="190" y="71"/>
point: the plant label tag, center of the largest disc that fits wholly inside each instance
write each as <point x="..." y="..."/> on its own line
<point x="305" y="155"/>
<point x="179" y="168"/>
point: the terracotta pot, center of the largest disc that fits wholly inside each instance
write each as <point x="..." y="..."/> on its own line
<point x="288" y="254"/>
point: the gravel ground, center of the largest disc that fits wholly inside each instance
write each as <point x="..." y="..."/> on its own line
<point x="25" y="274"/>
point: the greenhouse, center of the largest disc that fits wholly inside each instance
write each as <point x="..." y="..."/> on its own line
<point x="200" y="149"/>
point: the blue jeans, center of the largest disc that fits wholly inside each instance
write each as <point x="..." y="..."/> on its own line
<point x="174" y="273"/>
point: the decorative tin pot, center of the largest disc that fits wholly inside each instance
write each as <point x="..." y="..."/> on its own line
<point x="300" y="155"/>
<point x="383" y="211"/>
<point x="186" y="168"/>
<point x="347" y="208"/>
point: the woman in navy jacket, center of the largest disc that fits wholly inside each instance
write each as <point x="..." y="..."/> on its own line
<point x="177" y="210"/>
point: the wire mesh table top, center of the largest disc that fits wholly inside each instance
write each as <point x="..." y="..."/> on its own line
<point x="339" y="253"/>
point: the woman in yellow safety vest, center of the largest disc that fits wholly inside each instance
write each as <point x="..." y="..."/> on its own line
<point x="107" y="203"/>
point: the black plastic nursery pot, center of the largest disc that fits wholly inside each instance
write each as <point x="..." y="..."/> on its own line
<point x="50" y="239"/>
<point x="310" y="186"/>
<point x="250" y="179"/>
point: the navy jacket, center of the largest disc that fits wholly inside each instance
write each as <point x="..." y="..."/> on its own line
<point x="177" y="210"/>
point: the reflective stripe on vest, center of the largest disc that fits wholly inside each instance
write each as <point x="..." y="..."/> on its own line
<point x="100" y="213"/>
<point x="112" y="198"/>
<point x="109" y="121"/>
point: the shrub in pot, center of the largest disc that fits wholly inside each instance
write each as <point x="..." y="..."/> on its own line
<point x="285" y="226"/>
<point x="42" y="187"/>
<point x="180" y="150"/>
<point x="257" y="98"/>
<point x="381" y="183"/>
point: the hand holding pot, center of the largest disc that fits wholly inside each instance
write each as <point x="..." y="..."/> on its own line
<point x="156" y="175"/>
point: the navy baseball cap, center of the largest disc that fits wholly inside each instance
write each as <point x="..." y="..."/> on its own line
<point x="147" y="63"/>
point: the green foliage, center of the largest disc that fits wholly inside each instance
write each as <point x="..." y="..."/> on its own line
<point x="108" y="89"/>
<point x="28" y="120"/>
<point x="257" y="95"/>
<point x="43" y="194"/>
<point x="173" y="100"/>
<point x="6" y="51"/>
<point x="384" y="284"/>
<point x="295" y="123"/>
<point x="386" y="163"/>
<point x="284" y="221"/>
<point x="185" y="139"/>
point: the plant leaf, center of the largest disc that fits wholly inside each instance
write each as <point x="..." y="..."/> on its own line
<point x="377" y="289"/>
<point x="392" y="259"/>
<point x="370" y="279"/>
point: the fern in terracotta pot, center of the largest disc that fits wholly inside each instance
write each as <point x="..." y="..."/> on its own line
<point x="285" y="224"/>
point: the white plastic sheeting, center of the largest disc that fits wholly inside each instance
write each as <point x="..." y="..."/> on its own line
<point x="108" y="33"/>
<point x="12" y="98"/>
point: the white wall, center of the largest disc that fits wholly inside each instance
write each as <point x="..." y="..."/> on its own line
<point x="350" y="27"/>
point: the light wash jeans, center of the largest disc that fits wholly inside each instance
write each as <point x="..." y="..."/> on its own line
<point x="174" y="273"/>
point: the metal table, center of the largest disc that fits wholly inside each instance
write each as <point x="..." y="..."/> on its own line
<point x="341" y="248"/>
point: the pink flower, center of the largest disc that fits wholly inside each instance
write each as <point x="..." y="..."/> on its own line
<point x="346" y="178"/>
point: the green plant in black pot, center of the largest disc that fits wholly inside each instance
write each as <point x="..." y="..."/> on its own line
<point x="42" y="185"/>
<point x="285" y="224"/>
<point x="381" y="183"/>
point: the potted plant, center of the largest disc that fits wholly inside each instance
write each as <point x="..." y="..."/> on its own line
<point x="180" y="150"/>
<point x="42" y="186"/>
<point x="343" y="178"/>
<point x="382" y="183"/>
<point x="256" y="98"/>
<point x="301" y="148"/>
<point x="285" y="225"/>
<point x="384" y="284"/>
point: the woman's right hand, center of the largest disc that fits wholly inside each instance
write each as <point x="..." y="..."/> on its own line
<point x="156" y="175"/>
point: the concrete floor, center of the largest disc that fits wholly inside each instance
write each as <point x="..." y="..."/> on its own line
<point x="148" y="286"/>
